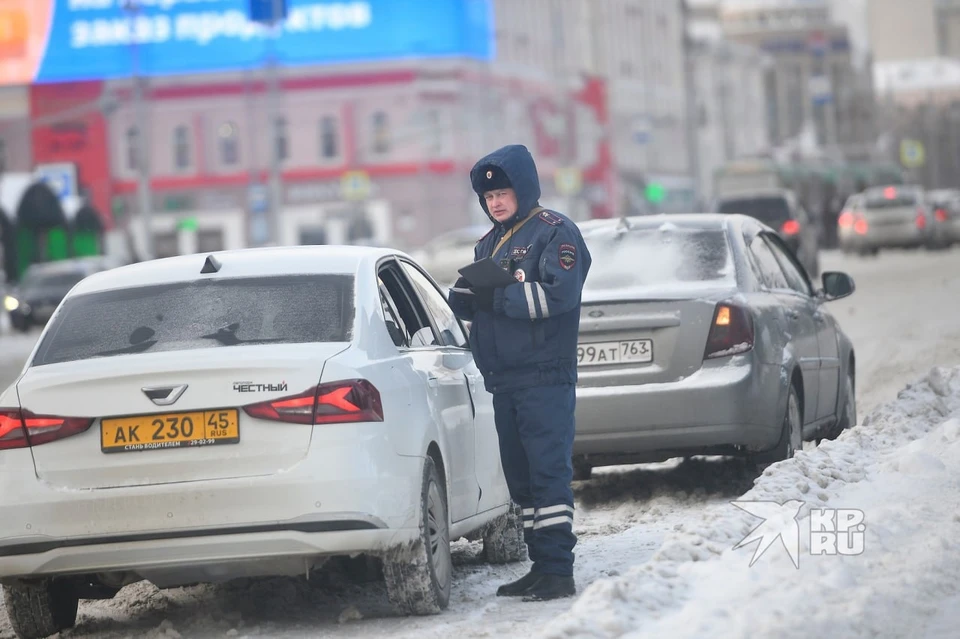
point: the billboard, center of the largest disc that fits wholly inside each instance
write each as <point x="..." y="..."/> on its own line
<point x="46" y="41"/>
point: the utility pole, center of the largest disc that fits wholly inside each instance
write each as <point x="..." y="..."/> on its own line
<point x="273" y="105"/>
<point x="141" y="114"/>
<point x="692" y="101"/>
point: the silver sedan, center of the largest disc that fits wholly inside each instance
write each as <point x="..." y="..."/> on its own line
<point x="701" y="334"/>
<point x="894" y="216"/>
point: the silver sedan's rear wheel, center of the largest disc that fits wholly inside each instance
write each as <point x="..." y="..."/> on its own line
<point x="419" y="578"/>
<point x="791" y="433"/>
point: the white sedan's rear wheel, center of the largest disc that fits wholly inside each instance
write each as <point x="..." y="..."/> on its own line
<point x="503" y="540"/>
<point x="419" y="578"/>
<point x="40" y="608"/>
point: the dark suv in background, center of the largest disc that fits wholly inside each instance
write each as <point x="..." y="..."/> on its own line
<point x="779" y="209"/>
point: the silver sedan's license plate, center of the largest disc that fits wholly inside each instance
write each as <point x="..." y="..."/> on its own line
<point x="633" y="351"/>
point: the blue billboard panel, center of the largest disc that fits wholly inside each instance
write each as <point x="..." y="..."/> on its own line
<point x="267" y="10"/>
<point x="102" y="39"/>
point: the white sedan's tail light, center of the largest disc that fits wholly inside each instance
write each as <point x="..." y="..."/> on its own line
<point x="22" y="429"/>
<point x="731" y="332"/>
<point x="355" y="400"/>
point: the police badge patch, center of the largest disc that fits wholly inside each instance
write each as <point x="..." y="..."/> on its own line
<point x="568" y="256"/>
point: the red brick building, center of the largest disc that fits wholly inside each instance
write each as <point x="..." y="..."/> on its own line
<point x="410" y="131"/>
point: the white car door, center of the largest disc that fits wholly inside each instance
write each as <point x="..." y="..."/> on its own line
<point x="488" y="470"/>
<point x="493" y="490"/>
<point x="441" y="365"/>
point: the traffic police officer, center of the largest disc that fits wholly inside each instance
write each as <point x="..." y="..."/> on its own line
<point x="524" y="340"/>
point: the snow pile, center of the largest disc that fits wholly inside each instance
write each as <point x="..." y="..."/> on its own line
<point x="901" y="467"/>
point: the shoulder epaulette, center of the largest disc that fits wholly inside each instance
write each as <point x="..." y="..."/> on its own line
<point x="484" y="236"/>
<point x="550" y="218"/>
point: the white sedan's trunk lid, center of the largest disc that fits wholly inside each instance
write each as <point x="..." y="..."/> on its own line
<point x="132" y="441"/>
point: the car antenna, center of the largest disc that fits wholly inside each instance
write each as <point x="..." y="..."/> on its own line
<point x="211" y="265"/>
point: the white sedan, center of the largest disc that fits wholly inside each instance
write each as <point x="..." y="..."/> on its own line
<point x="201" y="418"/>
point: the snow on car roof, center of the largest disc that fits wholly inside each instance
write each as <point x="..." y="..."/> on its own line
<point x="267" y="261"/>
<point x="704" y="221"/>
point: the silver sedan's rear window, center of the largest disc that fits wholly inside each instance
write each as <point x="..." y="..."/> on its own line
<point x="890" y="198"/>
<point x="201" y="314"/>
<point x="668" y="257"/>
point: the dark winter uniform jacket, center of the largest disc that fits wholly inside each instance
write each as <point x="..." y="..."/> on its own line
<point x="531" y="337"/>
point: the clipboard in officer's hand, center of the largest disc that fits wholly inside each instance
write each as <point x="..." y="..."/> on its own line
<point x="486" y="274"/>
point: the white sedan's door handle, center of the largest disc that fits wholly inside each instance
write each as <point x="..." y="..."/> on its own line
<point x="432" y="381"/>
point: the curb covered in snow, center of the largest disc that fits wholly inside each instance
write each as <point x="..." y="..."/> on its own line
<point x="900" y="466"/>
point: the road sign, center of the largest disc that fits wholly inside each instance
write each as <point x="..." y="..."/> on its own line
<point x="257" y="198"/>
<point x="912" y="153"/>
<point x="355" y="185"/>
<point x="821" y="91"/>
<point x="60" y="177"/>
<point x="569" y="181"/>
<point x="641" y="130"/>
<point x="818" y="43"/>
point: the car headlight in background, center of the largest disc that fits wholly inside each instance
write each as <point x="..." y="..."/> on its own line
<point x="11" y="303"/>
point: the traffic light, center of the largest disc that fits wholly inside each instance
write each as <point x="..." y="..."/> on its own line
<point x="655" y="193"/>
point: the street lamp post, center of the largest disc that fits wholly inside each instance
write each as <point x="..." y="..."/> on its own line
<point x="141" y="114"/>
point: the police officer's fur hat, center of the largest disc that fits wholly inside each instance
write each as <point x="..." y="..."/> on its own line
<point x="490" y="178"/>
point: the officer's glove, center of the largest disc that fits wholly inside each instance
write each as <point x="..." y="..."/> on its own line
<point x="483" y="298"/>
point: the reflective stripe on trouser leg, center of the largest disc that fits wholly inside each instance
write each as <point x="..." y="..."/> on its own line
<point x="552" y="516"/>
<point x="516" y="467"/>
<point x="545" y="423"/>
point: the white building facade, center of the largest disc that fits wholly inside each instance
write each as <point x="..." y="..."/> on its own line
<point x="637" y="46"/>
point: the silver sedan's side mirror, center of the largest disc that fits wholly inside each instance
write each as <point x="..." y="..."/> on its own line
<point x="837" y="285"/>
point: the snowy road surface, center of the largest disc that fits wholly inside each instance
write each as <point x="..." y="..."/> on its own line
<point x="655" y="556"/>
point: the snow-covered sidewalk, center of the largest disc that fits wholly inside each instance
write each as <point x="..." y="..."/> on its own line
<point x="900" y="467"/>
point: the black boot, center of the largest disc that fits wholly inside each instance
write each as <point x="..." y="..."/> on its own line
<point x="520" y="586"/>
<point x="551" y="587"/>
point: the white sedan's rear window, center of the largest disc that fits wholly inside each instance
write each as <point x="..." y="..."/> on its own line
<point x="201" y="314"/>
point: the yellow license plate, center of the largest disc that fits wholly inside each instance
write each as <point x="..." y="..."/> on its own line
<point x="174" y="430"/>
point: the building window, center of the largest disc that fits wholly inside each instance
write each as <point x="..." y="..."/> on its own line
<point x="181" y="148"/>
<point x="229" y="143"/>
<point x="165" y="244"/>
<point x="313" y="236"/>
<point x="328" y="137"/>
<point x="209" y="240"/>
<point x="133" y="148"/>
<point x="434" y="132"/>
<point x="381" y="132"/>
<point x="281" y="139"/>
